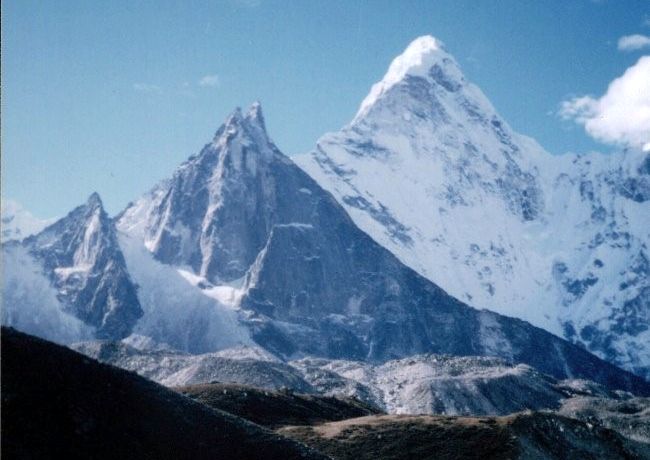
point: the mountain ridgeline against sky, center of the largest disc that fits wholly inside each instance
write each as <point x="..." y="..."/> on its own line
<point x="241" y="247"/>
<point x="308" y="281"/>
<point x="215" y="213"/>
<point x="430" y="170"/>
<point x="71" y="279"/>
<point x="277" y="261"/>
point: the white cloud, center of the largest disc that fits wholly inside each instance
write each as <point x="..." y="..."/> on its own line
<point x="622" y="115"/>
<point x="147" y="88"/>
<point x="209" y="80"/>
<point x="633" y="42"/>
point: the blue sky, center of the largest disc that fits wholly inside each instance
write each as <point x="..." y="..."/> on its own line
<point x="112" y="96"/>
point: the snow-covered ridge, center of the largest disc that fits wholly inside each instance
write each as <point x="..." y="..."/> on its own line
<point x="488" y="215"/>
<point x="417" y="60"/>
<point x="240" y="246"/>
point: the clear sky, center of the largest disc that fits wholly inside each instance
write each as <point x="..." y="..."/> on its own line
<point x="111" y="96"/>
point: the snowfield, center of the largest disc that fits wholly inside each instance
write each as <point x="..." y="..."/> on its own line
<point x="430" y="170"/>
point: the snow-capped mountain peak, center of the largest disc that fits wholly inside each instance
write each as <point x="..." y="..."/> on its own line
<point x="248" y="126"/>
<point x="487" y="214"/>
<point x="424" y="57"/>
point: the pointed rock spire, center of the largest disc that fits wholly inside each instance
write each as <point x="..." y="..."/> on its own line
<point x="251" y="124"/>
<point x="235" y="116"/>
<point x="233" y="123"/>
<point x="94" y="201"/>
<point x="254" y="115"/>
<point x="254" y="120"/>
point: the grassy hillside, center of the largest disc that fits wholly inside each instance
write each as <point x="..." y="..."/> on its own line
<point x="57" y="403"/>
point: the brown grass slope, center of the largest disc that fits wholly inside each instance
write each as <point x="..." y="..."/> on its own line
<point x="521" y="436"/>
<point x="57" y="403"/>
<point x="276" y="408"/>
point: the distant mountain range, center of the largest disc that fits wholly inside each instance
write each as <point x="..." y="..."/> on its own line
<point x="427" y="191"/>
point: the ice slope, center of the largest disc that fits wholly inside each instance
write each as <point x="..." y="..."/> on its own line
<point x="177" y="312"/>
<point x="431" y="171"/>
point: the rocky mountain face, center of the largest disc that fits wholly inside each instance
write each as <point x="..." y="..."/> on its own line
<point x="250" y="229"/>
<point x="79" y="263"/>
<point x="242" y="248"/>
<point x="214" y="215"/>
<point x="431" y="171"/>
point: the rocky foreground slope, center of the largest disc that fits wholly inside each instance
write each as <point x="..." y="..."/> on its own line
<point x="56" y="402"/>
<point x="347" y="428"/>
<point x="522" y="436"/>
<point x="276" y="409"/>
<point x="59" y="404"/>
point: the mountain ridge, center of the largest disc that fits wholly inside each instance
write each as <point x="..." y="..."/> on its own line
<point x="567" y="238"/>
<point x="241" y="247"/>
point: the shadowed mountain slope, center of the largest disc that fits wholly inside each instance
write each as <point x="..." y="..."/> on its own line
<point x="57" y="403"/>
